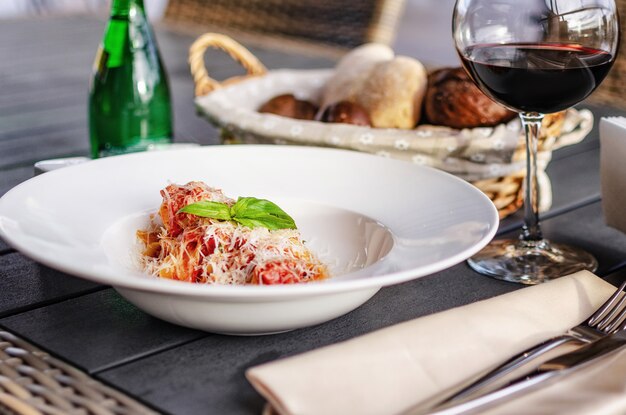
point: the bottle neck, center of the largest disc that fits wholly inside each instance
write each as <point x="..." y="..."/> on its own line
<point x="122" y="7"/>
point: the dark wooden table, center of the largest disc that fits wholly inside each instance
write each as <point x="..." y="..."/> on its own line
<point x="44" y="74"/>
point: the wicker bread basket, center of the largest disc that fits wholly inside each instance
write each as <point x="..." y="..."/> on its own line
<point x="231" y="105"/>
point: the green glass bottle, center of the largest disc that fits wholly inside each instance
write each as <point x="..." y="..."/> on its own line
<point x="129" y="98"/>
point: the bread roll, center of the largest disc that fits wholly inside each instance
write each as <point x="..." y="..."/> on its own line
<point x="390" y="89"/>
<point x="393" y="93"/>
<point x="288" y="105"/>
<point x="346" y="112"/>
<point x="352" y="71"/>
<point x="454" y="101"/>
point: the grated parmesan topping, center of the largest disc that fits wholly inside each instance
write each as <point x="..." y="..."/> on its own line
<point x="195" y="249"/>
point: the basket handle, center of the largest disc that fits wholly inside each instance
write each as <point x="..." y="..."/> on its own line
<point x="204" y="83"/>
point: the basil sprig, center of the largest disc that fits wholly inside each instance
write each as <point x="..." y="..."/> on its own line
<point x="248" y="211"/>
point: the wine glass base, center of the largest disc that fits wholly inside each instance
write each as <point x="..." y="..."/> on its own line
<point x="530" y="262"/>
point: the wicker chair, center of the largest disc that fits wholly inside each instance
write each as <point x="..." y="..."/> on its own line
<point x="326" y="24"/>
<point x="613" y="89"/>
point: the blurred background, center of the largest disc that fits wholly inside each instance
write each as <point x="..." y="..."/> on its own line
<point x="415" y="18"/>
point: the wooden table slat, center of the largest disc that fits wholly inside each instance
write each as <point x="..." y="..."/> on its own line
<point x="13" y="177"/>
<point x="25" y="285"/>
<point x="50" y="117"/>
<point x="32" y="30"/>
<point x="28" y="149"/>
<point x="585" y="227"/>
<point x="16" y="92"/>
<point x="98" y="330"/>
<point x="4" y="248"/>
<point x="64" y="97"/>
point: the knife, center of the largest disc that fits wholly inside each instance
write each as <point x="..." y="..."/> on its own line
<point x="548" y="371"/>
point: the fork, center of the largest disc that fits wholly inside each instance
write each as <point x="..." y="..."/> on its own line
<point x="609" y="318"/>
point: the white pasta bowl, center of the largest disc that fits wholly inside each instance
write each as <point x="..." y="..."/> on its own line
<point x="374" y="221"/>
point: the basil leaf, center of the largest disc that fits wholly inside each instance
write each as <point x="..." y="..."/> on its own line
<point x="267" y="222"/>
<point x="248" y="211"/>
<point x="253" y="212"/>
<point x="208" y="209"/>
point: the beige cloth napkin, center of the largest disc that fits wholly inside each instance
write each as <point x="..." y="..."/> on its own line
<point x="613" y="170"/>
<point x="393" y="369"/>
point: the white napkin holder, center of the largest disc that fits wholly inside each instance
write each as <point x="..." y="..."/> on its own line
<point x="613" y="170"/>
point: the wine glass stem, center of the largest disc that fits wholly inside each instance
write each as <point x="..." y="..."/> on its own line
<point x="531" y="122"/>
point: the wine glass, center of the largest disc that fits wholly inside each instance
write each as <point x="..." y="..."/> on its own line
<point x="535" y="57"/>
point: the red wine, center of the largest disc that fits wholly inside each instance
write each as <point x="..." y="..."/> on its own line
<point x="543" y="78"/>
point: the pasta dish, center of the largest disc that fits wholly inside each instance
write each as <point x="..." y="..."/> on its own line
<point x="212" y="247"/>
